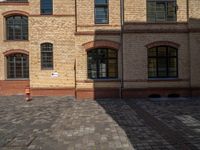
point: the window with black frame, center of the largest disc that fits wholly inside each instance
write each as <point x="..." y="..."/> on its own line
<point x="47" y="56"/>
<point x="162" y="62"/>
<point x="17" y="66"/>
<point x="161" y="10"/>
<point x="17" y="27"/>
<point x="101" y="11"/>
<point x="46" y="7"/>
<point x="102" y="63"/>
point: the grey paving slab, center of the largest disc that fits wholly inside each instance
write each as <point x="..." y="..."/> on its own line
<point x="62" y="123"/>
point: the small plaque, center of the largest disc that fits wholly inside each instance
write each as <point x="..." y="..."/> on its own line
<point x="54" y="75"/>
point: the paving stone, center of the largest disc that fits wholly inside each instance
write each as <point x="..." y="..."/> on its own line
<point x="60" y="123"/>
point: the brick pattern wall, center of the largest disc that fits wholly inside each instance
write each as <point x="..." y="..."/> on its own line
<point x="69" y="52"/>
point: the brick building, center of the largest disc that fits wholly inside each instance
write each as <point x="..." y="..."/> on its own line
<point x="100" y="48"/>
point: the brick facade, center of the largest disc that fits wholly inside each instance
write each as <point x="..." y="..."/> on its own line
<point x="72" y="31"/>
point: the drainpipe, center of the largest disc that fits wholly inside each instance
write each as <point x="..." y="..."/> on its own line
<point x="75" y="81"/>
<point x="75" y="77"/>
<point x="121" y="46"/>
<point x="190" y="60"/>
<point x="76" y="16"/>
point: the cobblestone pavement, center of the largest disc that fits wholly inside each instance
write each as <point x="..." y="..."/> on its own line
<point x="61" y="123"/>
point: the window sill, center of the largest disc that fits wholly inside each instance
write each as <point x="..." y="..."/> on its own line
<point x="46" y="15"/>
<point x="47" y="69"/>
<point x="18" y="79"/>
<point x="102" y="80"/>
<point x="167" y="22"/>
<point x="16" y="40"/>
<point x="14" y="3"/>
<point x="163" y="79"/>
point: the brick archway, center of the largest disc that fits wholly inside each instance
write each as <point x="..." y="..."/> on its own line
<point x="14" y="51"/>
<point x="101" y="43"/>
<point x="161" y="43"/>
<point x="15" y="12"/>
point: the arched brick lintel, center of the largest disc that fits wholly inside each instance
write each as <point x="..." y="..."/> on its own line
<point x="15" y="12"/>
<point x="161" y="43"/>
<point x="14" y="51"/>
<point x="101" y="44"/>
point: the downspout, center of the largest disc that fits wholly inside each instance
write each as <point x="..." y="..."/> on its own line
<point x="190" y="65"/>
<point x="75" y="80"/>
<point x="76" y="16"/>
<point x="121" y="47"/>
<point x="75" y="84"/>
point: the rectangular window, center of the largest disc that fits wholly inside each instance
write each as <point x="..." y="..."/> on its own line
<point x="161" y="10"/>
<point x="46" y="7"/>
<point x="101" y="11"/>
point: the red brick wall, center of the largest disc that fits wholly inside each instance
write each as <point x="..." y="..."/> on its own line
<point x="52" y="92"/>
<point x="17" y="87"/>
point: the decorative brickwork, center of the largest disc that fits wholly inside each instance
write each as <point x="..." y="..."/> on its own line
<point x="100" y="44"/>
<point x="13" y="12"/>
<point x="161" y="43"/>
<point x="13" y="51"/>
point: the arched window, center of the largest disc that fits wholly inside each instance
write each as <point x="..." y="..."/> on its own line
<point x="17" y="27"/>
<point x="47" y="56"/>
<point x="46" y="7"/>
<point x="17" y="66"/>
<point x="102" y="63"/>
<point x="162" y="62"/>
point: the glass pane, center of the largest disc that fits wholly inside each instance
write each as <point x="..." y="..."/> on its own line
<point x="102" y="69"/>
<point x="112" y="65"/>
<point x="92" y="65"/>
<point x="160" y="11"/>
<point x="171" y="11"/>
<point x="162" y="51"/>
<point x="172" y="67"/>
<point x="152" y="72"/>
<point x="152" y="52"/>
<point x="151" y="11"/>
<point x="101" y="1"/>
<point x="171" y="51"/>
<point x="102" y="53"/>
<point x="112" y="53"/>
<point x="101" y="15"/>
<point x="46" y="7"/>
<point x="162" y="67"/>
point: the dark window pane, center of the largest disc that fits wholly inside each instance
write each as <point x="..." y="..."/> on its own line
<point x="172" y="63"/>
<point x="162" y="51"/>
<point x="46" y="7"/>
<point x="101" y="15"/>
<point x="161" y="10"/>
<point x="152" y="52"/>
<point x="102" y="63"/>
<point x="162" y="67"/>
<point x="162" y="62"/>
<point x="47" y="56"/>
<point x="152" y="64"/>
<point x="171" y="51"/>
<point x="17" y="28"/>
<point x="17" y="66"/>
<point x="101" y="11"/>
<point x="101" y="1"/>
